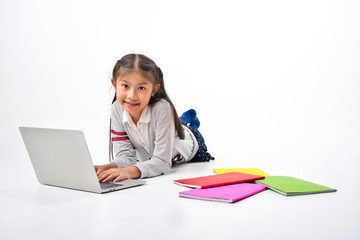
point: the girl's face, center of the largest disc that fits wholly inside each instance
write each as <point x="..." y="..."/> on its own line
<point x="133" y="91"/>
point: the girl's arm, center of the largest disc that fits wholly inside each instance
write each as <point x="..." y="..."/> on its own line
<point x="125" y="153"/>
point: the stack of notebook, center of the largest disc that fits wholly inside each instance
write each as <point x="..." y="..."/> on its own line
<point x="226" y="187"/>
<point x="232" y="185"/>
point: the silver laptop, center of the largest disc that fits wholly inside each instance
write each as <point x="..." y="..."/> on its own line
<point x="61" y="158"/>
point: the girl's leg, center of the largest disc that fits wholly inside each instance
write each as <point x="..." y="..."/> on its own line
<point x="202" y="155"/>
<point x="191" y="121"/>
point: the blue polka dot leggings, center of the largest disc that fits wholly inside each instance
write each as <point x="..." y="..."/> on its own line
<point x="202" y="155"/>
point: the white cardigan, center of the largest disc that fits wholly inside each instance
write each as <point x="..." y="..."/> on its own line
<point x="153" y="155"/>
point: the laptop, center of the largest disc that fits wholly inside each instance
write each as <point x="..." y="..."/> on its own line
<point x="61" y="158"/>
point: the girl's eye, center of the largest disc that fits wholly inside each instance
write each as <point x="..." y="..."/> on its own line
<point x="141" y="88"/>
<point x="125" y="86"/>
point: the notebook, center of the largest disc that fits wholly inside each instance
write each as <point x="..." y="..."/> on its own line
<point x="229" y="193"/>
<point x="254" y="171"/>
<point x="61" y="158"/>
<point x="217" y="180"/>
<point x="290" y="186"/>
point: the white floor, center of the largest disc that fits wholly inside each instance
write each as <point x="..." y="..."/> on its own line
<point x="154" y="211"/>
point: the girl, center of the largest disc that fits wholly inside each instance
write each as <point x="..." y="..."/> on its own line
<point x="146" y="133"/>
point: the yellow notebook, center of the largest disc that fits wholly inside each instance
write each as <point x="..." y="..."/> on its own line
<point x="254" y="171"/>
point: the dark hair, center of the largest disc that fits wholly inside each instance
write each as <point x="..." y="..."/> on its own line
<point x="153" y="73"/>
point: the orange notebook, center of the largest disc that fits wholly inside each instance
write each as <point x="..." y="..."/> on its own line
<point x="217" y="180"/>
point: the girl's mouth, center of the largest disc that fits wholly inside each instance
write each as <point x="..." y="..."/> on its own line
<point x="130" y="104"/>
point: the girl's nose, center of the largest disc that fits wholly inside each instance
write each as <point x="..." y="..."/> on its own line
<point x="132" y="94"/>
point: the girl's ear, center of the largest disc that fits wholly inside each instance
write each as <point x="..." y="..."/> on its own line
<point x="113" y="82"/>
<point x="156" y="88"/>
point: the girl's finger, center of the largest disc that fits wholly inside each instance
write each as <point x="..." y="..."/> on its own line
<point x="102" y="176"/>
<point x="110" y="177"/>
<point x="105" y="173"/>
<point x="118" y="178"/>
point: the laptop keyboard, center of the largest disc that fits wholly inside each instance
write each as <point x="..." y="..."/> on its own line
<point x="109" y="185"/>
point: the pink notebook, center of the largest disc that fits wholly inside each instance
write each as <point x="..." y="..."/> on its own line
<point x="228" y="193"/>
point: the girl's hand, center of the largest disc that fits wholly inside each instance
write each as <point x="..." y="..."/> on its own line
<point x="101" y="168"/>
<point x="118" y="174"/>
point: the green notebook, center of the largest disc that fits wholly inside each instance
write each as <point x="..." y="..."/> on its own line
<point x="290" y="186"/>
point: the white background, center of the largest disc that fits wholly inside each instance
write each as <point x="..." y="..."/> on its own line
<point x="275" y="83"/>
